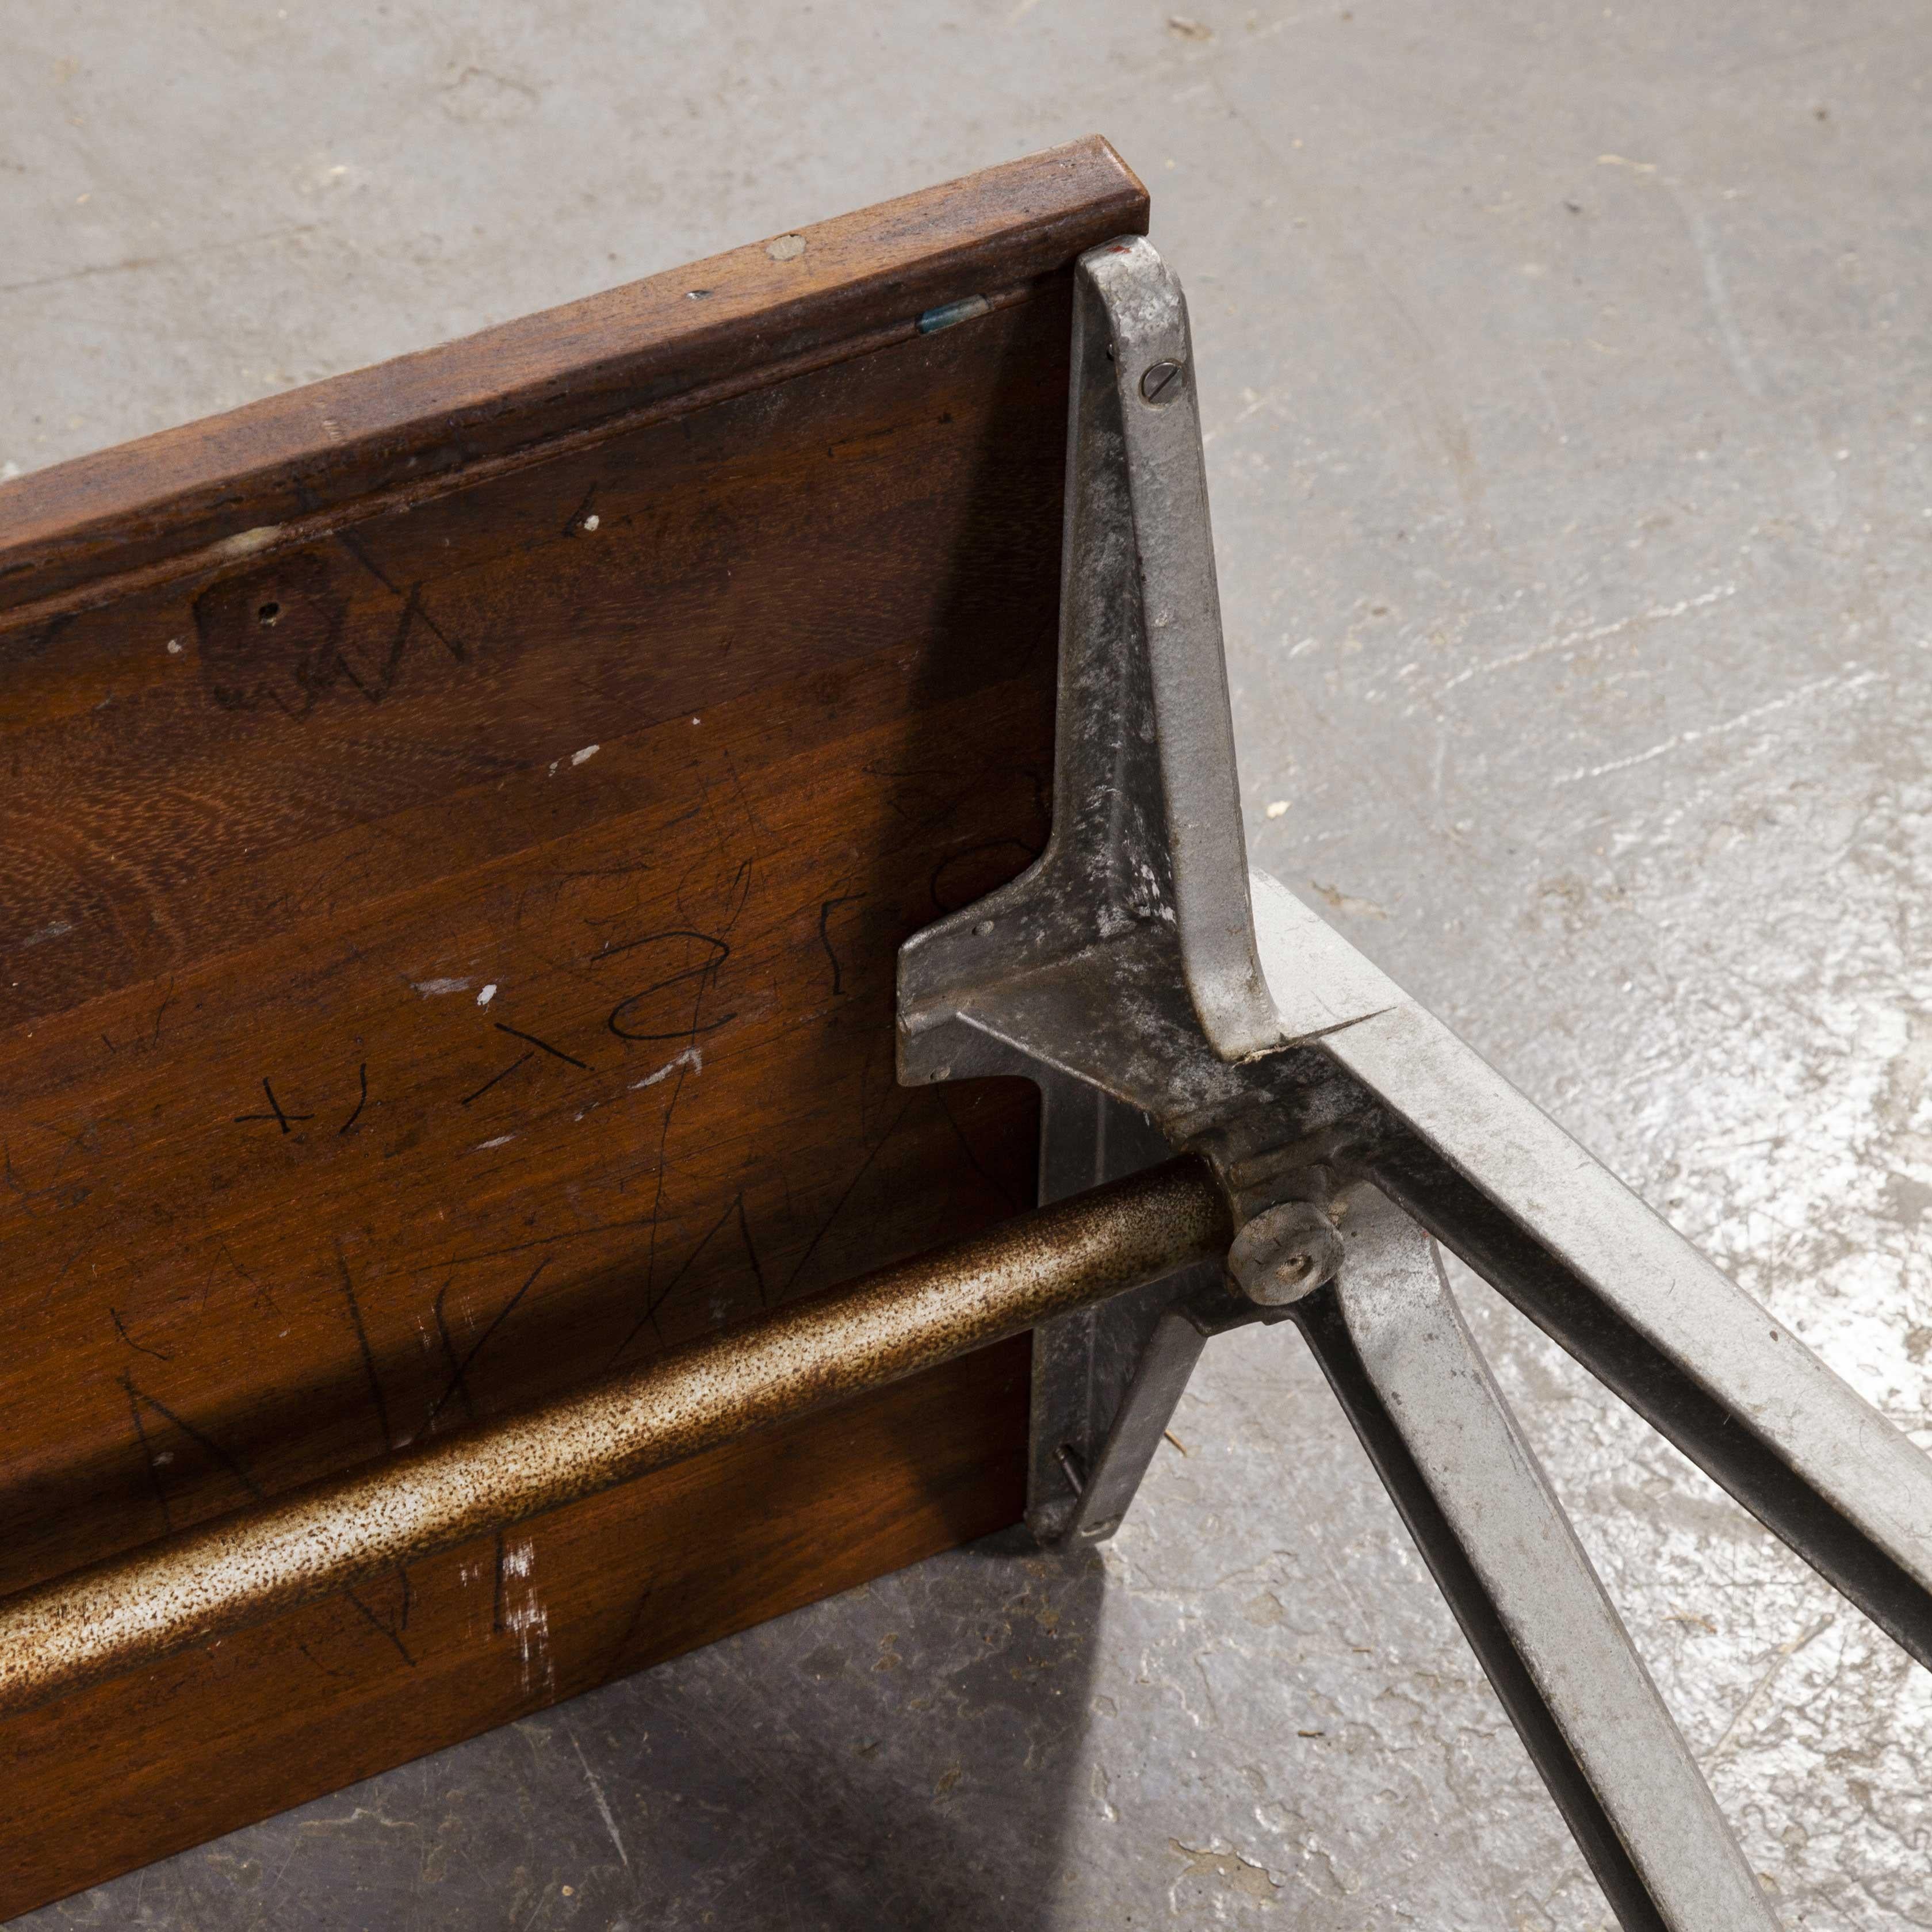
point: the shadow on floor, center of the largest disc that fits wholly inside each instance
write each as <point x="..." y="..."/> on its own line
<point x="904" y="1756"/>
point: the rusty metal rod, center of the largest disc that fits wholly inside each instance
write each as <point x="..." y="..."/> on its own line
<point x="165" y="1597"/>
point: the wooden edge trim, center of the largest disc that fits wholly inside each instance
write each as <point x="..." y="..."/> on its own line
<point x="285" y="468"/>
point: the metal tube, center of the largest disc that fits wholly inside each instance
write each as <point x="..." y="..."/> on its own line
<point x="166" y="1596"/>
<point x="1392" y="1341"/>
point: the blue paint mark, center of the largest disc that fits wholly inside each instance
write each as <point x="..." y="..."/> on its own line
<point x="947" y="313"/>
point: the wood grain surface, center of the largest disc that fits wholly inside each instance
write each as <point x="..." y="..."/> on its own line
<point x="428" y="421"/>
<point x="459" y="823"/>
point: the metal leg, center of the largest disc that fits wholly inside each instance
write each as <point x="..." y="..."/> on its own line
<point x="1392" y="1343"/>
<point x="1139" y="1423"/>
<point x="1496" y="1180"/>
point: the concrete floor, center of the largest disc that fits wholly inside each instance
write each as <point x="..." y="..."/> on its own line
<point x="1565" y="369"/>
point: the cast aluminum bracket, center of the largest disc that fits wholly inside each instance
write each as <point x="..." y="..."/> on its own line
<point x="1165" y="998"/>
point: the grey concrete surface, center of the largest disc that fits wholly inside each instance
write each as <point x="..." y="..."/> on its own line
<point x="1565" y="372"/>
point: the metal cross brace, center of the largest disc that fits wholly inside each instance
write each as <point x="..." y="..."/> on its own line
<point x="1165" y="996"/>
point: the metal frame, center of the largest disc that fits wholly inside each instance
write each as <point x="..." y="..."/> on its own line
<point x="1151" y="982"/>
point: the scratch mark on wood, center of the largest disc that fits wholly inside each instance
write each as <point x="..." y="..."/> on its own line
<point x="746" y="805"/>
<point x="362" y="1342"/>
<point x="285" y="1121"/>
<point x="413" y="609"/>
<point x="738" y="894"/>
<point x="838" y="1207"/>
<point x="576" y="516"/>
<point x="449" y="1357"/>
<point x="636" y="1616"/>
<point x="751" y="1252"/>
<point x="61" y="1194"/>
<point x="545" y="1240"/>
<point x="648" y="1318"/>
<point x="153" y="1032"/>
<point x="257" y="1292"/>
<point x="86" y="1248"/>
<point x="376" y="1623"/>
<point x="148" y="1451"/>
<point x="494" y="1078"/>
<point x="121" y="1329"/>
<point x="231" y="1463"/>
<point x="705" y="973"/>
<point x="318" y="1662"/>
<point x="825" y="913"/>
<point x="85" y="1142"/>
<point x="458" y="1381"/>
<point x="556" y="1052"/>
<point x="972" y="1160"/>
<point x="354" y="545"/>
<point x="361" y="1098"/>
<point x="658" y="1191"/>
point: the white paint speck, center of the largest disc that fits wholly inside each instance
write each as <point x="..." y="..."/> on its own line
<point x="584" y="756"/>
<point x="786" y="248"/>
<point x="502" y="1140"/>
<point x="1277" y="807"/>
<point x="488" y="993"/>
<point x="174" y="647"/>
<point x="692" y="1056"/>
<point x="429" y="989"/>
<point x="590" y="522"/>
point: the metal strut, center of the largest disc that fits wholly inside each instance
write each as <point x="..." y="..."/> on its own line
<point x="1167" y="998"/>
<point x="240" y="1569"/>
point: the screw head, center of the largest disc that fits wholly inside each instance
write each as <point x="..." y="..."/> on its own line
<point x="1162" y="383"/>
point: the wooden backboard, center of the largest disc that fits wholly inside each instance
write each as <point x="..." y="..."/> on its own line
<point x="458" y="823"/>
